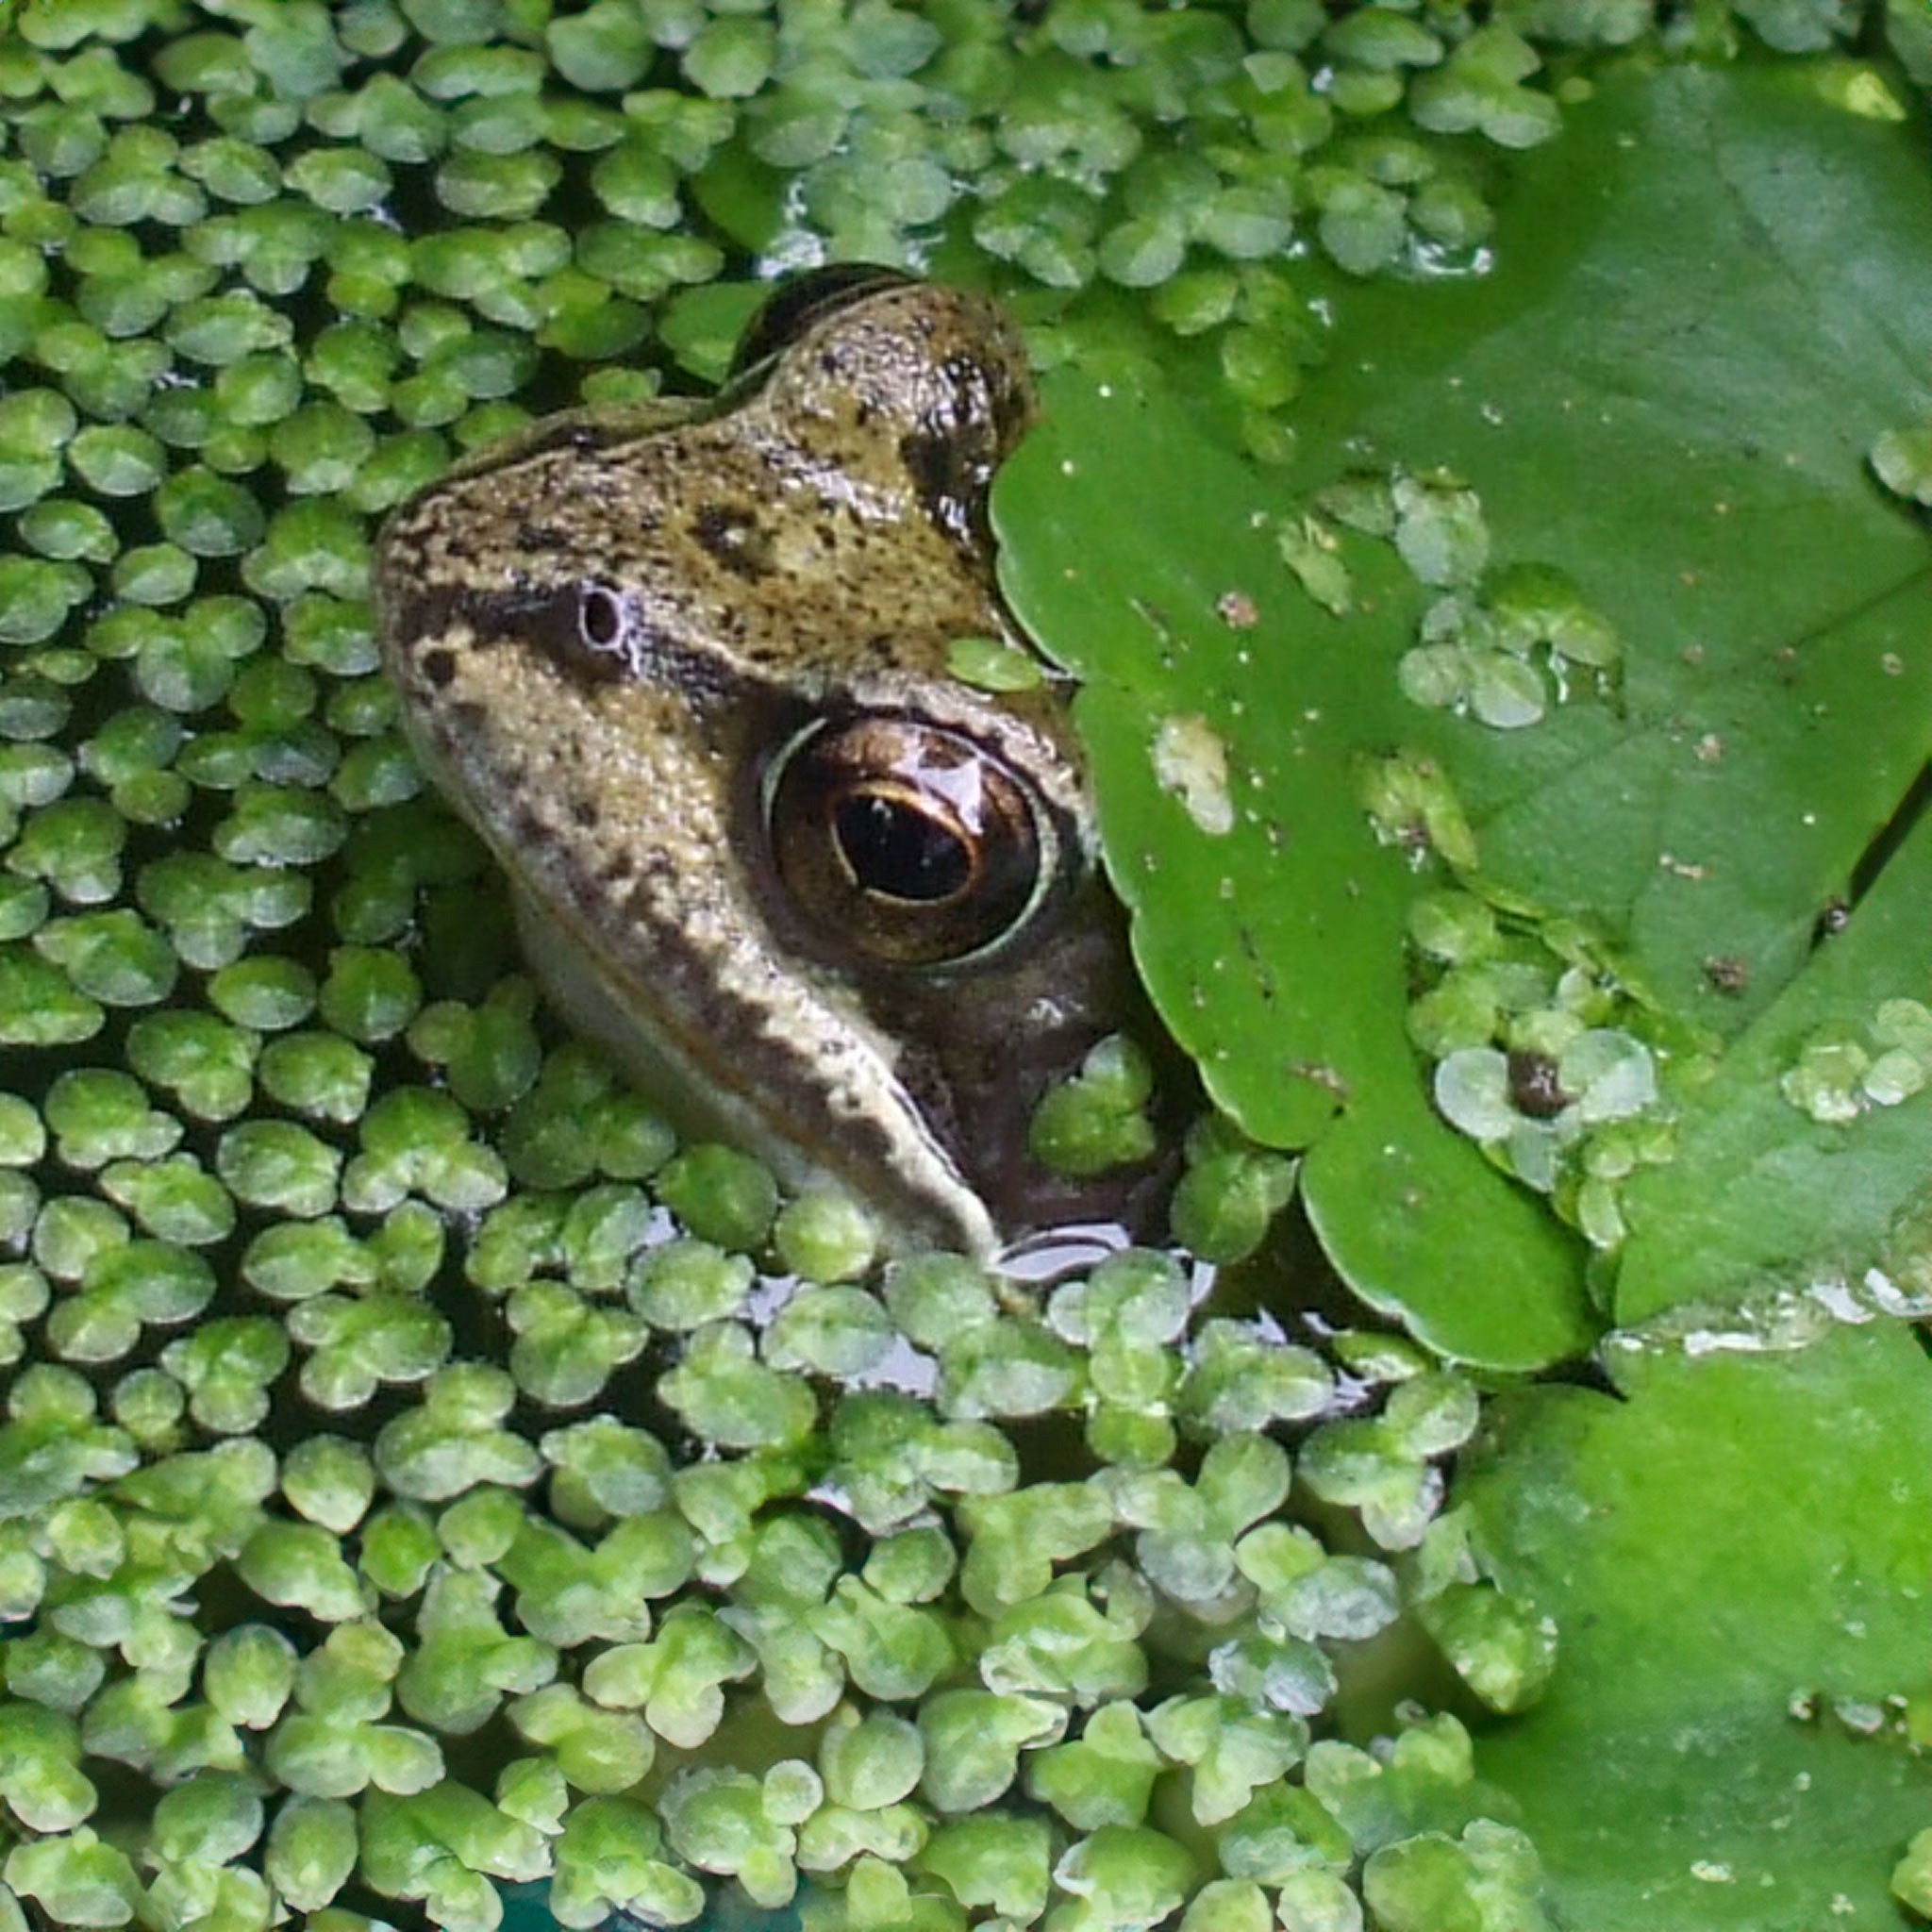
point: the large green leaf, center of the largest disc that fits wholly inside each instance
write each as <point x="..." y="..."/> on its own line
<point x="1669" y="389"/>
<point x="1273" y="946"/>
<point x="1665" y="389"/>
<point x="1738" y="1560"/>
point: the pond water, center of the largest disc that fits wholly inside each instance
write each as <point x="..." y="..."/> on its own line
<point x="526" y="1910"/>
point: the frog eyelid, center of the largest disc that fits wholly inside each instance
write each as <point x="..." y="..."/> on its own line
<point x="796" y="307"/>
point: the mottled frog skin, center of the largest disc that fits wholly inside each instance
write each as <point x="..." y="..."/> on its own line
<point x="684" y="668"/>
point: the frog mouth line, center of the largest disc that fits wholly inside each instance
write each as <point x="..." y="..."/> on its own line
<point x="869" y="1128"/>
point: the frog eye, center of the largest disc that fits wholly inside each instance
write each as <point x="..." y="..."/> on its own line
<point x="804" y="301"/>
<point x="903" y="844"/>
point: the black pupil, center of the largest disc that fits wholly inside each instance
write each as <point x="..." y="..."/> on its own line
<point x="899" y="851"/>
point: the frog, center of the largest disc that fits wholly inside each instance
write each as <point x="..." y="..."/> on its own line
<point x="684" y="666"/>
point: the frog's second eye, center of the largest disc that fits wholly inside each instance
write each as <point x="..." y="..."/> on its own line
<point x="903" y="843"/>
<point x="805" y="301"/>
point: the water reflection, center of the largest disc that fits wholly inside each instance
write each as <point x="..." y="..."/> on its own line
<point x="525" y="1909"/>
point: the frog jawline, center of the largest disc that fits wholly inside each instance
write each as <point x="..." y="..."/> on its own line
<point x="929" y="1203"/>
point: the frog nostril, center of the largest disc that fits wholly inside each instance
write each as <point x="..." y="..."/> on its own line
<point x="600" y="618"/>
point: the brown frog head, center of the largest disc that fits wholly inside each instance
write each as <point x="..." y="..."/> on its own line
<point x="684" y="668"/>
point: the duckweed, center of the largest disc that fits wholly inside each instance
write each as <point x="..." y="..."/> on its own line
<point x="1902" y="461"/>
<point x="1516" y="1014"/>
<point x="1096" y="1119"/>
<point x="1837" y="1075"/>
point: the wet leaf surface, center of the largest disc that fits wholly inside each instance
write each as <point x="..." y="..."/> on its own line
<point x="1669" y="389"/>
<point x="1740" y="1544"/>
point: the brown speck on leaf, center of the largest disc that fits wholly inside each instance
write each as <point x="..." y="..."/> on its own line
<point x="1534" y="1086"/>
<point x="1727" y="972"/>
<point x="1237" y="609"/>
<point x="1892" y="664"/>
<point x="1709" y="748"/>
<point x="1692" y="654"/>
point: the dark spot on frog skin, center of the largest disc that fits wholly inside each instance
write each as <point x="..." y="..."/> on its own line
<point x="944" y="480"/>
<point x="954" y="453"/>
<point x="438" y="666"/>
<point x="732" y="534"/>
